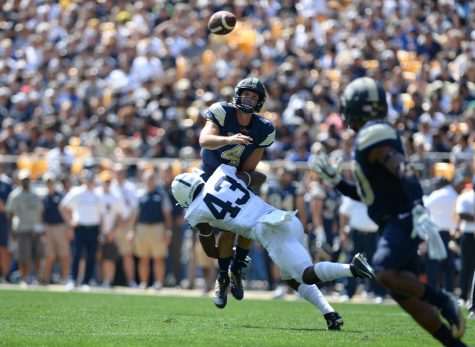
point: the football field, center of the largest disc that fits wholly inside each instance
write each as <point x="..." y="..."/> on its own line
<point x="42" y="318"/>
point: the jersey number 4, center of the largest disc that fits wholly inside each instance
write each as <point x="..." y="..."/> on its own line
<point x="233" y="155"/>
<point x="219" y="208"/>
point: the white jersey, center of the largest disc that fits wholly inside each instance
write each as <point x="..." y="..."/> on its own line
<point x="225" y="203"/>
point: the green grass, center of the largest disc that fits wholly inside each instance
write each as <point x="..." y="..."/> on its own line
<point x="35" y="318"/>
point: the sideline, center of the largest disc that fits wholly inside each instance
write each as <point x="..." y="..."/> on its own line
<point x="166" y="291"/>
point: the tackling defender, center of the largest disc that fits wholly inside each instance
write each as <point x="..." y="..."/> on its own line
<point x="224" y="202"/>
<point x="235" y="135"/>
<point x="387" y="184"/>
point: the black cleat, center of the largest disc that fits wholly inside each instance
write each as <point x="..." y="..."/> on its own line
<point x="221" y="292"/>
<point x="360" y="268"/>
<point x="452" y="314"/>
<point x="334" y="320"/>
<point x="236" y="285"/>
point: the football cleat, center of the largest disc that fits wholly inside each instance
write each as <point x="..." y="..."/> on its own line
<point x="236" y="285"/>
<point x="452" y="314"/>
<point x="334" y="320"/>
<point x="360" y="268"/>
<point x="221" y="292"/>
<point x="471" y="314"/>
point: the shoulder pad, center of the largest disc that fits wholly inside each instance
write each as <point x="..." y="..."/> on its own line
<point x="375" y="133"/>
<point x="218" y="111"/>
<point x="269" y="129"/>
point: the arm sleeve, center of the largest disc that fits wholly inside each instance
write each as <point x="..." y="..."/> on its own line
<point x="216" y="114"/>
<point x="411" y="186"/>
<point x="67" y="200"/>
<point x="432" y="201"/>
<point x="463" y="206"/>
<point x="269" y="140"/>
<point x="9" y="207"/>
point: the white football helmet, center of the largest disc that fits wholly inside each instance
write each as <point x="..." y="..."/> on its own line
<point x="184" y="186"/>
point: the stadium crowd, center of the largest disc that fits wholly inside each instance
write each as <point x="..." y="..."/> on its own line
<point x="85" y="84"/>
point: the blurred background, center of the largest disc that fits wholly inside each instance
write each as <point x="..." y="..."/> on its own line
<point x="89" y="84"/>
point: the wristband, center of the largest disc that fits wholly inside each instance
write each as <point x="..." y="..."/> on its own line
<point x="203" y="235"/>
<point x="249" y="177"/>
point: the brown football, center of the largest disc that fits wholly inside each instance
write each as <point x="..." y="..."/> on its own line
<point x="222" y="23"/>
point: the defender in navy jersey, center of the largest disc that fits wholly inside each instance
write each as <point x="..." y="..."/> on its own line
<point x="235" y="135"/>
<point x="393" y="194"/>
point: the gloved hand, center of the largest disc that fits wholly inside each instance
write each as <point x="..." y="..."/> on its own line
<point x="423" y="227"/>
<point x="436" y="247"/>
<point x="324" y="169"/>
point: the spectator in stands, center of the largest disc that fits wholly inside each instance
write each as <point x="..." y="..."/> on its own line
<point x="81" y="209"/>
<point x="60" y="158"/>
<point x="57" y="238"/>
<point x="153" y="231"/>
<point x="25" y="209"/>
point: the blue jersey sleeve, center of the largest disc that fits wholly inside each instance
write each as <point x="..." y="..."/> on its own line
<point x="266" y="133"/>
<point x="217" y="114"/>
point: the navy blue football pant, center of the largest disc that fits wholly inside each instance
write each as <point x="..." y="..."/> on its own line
<point x="440" y="273"/>
<point x="396" y="249"/>
<point x="365" y="243"/>
<point x="467" y="245"/>
<point x="86" y="240"/>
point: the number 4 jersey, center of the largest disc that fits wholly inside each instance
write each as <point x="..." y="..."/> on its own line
<point x="224" y="116"/>
<point x="225" y="203"/>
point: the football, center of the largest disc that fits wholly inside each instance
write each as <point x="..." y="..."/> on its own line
<point x="222" y="23"/>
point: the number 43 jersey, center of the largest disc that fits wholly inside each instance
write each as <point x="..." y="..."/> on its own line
<point x="224" y="116"/>
<point x="225" y="203"/>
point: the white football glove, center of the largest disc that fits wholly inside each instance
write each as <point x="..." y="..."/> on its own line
<point x="423" y="227"/>
<point x="436" y="248"/>
<point x="324" y="169"/>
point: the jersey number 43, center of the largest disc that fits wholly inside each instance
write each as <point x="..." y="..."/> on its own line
<point x="218" y="207"/>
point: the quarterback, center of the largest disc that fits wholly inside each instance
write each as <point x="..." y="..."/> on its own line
<point x="235" y="134"/>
